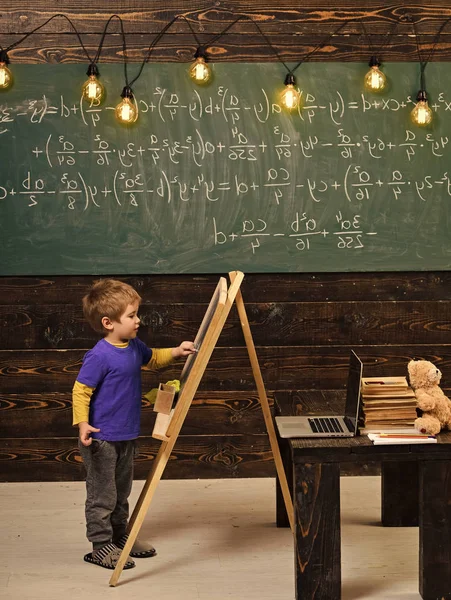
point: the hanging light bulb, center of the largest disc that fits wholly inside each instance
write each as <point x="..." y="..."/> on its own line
<point x="290" y="97"/>
<point x="127" y="111"/>
<point x="6" y="77"/>
<point x="375" y="80"/>
<point x="199" y="71"/>
<point x="422" y="113"/>
<point x="92" y="90"/>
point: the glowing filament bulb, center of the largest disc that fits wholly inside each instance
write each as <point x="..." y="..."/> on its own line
<point x="6" y="77"/>
<point x="199" y="71"/>
<point x="375" y="80"/>
<point x="127" y="111"/>
<point x="290" y="97"/>
<point x="422" y="113"/>
<point x="93" y="90"/>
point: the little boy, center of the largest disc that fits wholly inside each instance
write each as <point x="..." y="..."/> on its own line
<point x="107" y="408"/>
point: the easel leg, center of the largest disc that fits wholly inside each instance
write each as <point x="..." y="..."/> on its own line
<point x="264" y="403"/>
<point x="142" y="506"/>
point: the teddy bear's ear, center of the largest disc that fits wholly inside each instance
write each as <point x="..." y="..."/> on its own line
<point x="412" y="369"/>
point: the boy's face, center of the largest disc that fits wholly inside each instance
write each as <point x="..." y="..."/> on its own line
<point x="127" y="327"/>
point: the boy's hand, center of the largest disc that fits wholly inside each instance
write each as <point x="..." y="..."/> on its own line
<point x="84" y="433"/>
<point x="185" y="349"/>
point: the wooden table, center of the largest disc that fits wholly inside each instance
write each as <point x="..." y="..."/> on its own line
<point x="416" y="491"/>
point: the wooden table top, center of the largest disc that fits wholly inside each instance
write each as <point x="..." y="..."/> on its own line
<point x="356" y="449"/>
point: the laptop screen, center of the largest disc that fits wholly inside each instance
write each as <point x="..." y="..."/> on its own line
<point x="353" y="388"/>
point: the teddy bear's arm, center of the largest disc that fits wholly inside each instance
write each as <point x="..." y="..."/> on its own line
<point x="424" y="400"/>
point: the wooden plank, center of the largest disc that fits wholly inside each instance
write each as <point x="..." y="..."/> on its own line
<point x="30" y="415"/>
<point x="290" y="368"/>
<point x="292" y="31"/>
<point x="286" y="324"/>
<point x="274" y="287"/>
<point x="62" y="48"/>
<point x="205" y="17"/>
<point x="206" y="457"/>
<point x="71" y="289"/>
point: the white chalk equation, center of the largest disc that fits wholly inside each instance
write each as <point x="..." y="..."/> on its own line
<point x="169" y="105"/>
<point x="77" y="191"/>
<point x="200" y="149"/>
<point x="302" y="231"/>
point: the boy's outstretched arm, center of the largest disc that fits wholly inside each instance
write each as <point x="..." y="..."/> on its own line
<point x="163" y="357"/>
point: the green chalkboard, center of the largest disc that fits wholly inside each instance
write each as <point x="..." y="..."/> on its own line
<point x="218" y="178"/>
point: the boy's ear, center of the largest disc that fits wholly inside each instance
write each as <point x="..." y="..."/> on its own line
<point x="107" y="323"/>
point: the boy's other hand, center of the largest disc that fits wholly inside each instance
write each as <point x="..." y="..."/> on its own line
<point x="185" y="349"/>
<point x="84" y="431"/>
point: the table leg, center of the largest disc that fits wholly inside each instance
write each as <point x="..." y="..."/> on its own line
<point x="317" y="531"/>
<point x="435" y="529"/>
<point x="281" y="511"/>
<point x="400" y="494"/>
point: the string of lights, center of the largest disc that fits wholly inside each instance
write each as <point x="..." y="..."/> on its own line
<point x="201" y="73"/>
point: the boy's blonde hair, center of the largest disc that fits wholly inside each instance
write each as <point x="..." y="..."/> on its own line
<point x="107" y="298"/>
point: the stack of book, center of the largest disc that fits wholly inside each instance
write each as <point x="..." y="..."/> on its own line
<point x="388" y="403"/>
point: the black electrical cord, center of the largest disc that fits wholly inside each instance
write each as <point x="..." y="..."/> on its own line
<point x="151" y="47"/>
<point x="10" y="47"/>
<point x="375" y="53"/>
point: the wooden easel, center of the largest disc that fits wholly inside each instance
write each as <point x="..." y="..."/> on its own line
<point x="206" y="339"/>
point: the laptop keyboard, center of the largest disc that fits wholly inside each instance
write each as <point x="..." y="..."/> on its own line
<point x="325" y="425"/>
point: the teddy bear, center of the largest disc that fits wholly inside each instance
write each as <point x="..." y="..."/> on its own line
<point x="424" y="379"/>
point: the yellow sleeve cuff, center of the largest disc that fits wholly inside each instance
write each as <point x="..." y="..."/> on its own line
<point x="161" y="357"/>
<point x="81" y="399"/>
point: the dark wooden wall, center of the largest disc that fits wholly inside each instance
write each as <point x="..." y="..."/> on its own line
<point x="303" y="324"/>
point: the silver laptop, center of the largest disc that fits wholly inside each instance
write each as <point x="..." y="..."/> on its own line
<point x="329" y="425"/>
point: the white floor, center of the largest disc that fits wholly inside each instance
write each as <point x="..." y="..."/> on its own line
<point x="216" y="540"/>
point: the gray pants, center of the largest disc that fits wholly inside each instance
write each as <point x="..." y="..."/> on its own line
<point x="109" y="478"/>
